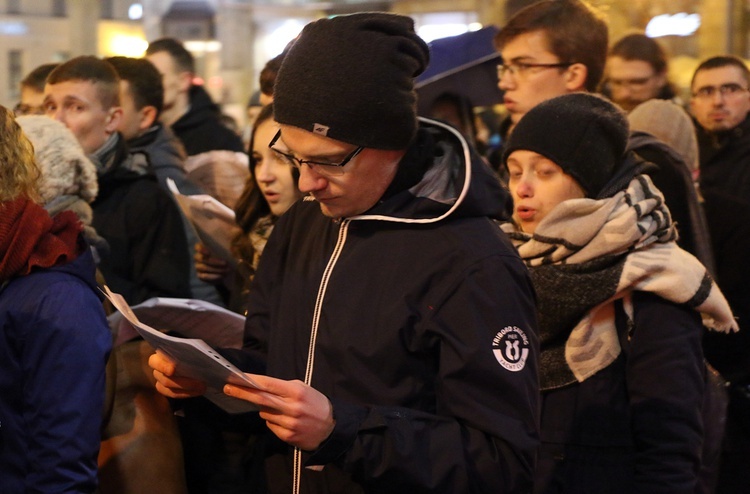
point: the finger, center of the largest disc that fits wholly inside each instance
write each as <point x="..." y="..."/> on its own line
<point x="174" y="393"/>
<point x="162" y="363"/>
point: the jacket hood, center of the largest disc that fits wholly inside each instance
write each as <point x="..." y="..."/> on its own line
<point x="163" y="148"/>
<point x="457" y="184"/>
<point x="201" y="107"/>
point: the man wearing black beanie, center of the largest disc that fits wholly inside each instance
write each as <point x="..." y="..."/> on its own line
<point x="391" y="325"/>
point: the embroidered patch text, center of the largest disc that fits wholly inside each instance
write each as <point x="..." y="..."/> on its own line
<point x="511" y="348"/>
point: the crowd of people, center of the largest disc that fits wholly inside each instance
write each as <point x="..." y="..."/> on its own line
<point x="562" y="312"/>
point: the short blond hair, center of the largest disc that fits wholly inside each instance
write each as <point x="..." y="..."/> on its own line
<point x="19" y="173"/>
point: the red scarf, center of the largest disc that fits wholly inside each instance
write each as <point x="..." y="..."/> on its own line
<point x="29" y="238"/>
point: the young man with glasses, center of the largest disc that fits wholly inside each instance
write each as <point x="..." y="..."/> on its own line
<point x="395" y="323"/>
<point x="720" y="104"/>
<point x="549" y="48"/>
<point x="637" y="72"/>
<point x="32" y="91"/>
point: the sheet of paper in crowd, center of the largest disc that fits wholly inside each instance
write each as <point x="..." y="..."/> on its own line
<point x="214" y="223"/>
<point x="195" y="358"/>
<point x="185" y="317"/>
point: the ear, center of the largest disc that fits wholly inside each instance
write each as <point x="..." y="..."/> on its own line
<point x="186" y="80"/>
<point x="661" y="79"/>
<point x="575" y="77"/>
<point x="148" y="117"/>
<point x="113" y="119"/>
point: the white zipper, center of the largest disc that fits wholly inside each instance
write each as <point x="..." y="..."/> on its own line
<point x="343" y="229"/>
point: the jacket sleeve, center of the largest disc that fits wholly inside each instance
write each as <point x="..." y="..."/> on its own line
<point x="483" y="434"/>
<point x="666" y="381"/>
<point x="160" y="259"/>
<point x="64" y="357"/>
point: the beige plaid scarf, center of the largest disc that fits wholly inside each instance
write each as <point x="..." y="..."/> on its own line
<point x="588" y="253"/>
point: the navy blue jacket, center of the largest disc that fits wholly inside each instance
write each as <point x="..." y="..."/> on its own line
<point x="54" y="343"/>
<point x="417" y="320"/>
<point x="636" y="425"/>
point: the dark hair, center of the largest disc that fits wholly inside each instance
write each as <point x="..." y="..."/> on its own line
<point x="38" y="77"/>
<point x="641" y="47"/>
<point x="252" y="205"/>
<point x="144" y="81"/>
<point x="722" y="61"/>
<point x="182" y="58"/>
<point x="94" y="70"/>
<point x="575" y="32"/>
<point x="268" y="74"/>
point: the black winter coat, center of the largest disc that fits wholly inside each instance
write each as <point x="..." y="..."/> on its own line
<point x="200" y="129"/>
<point x="725" y="161"/>
<point x="148" y="253"/>
<point x="417" y="320"/>
<point x="634" y="426"/>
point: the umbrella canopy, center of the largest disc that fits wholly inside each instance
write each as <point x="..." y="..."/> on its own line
<point x="466" y="65"/>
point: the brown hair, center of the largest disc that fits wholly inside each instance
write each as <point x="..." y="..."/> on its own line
<point x="93" y="70"/>
<point x="19" y="174"/>
<point x="640" y="47"/>
<point x="722" y="61"/>
<point x="575" y="32"/>
<point x="38" y="77"/>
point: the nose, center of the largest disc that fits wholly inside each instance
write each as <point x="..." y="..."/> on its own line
<point x="310" y="180"/>
<point x="524" y="188"/>
<point x="56" y="114"/>
<point x="263" y="173"/>
<point x="506" y="81"/>
<point x="718" y="98"/>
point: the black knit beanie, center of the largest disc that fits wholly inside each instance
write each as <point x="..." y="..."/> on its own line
<point x="582" y="133"/>
<point x="350" y="78"/>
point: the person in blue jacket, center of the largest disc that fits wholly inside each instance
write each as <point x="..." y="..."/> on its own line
<point x="54" y="338"/>
<point x="622" y="371"/>
<point x="393" y="319"/>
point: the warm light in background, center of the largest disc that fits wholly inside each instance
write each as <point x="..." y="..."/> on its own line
<point x="276" y="41"/>
<point x="681" y="24"/>
<point x="120" y="39"/>
<point x="128" y="46"/>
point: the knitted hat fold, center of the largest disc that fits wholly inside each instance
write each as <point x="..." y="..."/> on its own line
<point x="582" y="133"/>
<point x="351" y="78"/>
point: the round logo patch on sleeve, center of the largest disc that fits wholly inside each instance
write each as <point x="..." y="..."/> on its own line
<point x="511" y="348"/>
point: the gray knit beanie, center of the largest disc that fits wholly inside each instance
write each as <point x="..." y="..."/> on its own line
<point x="351" y="78"/>
<point x="667" y="121"/>
<point x="65" y="168"/>
<point x="582" y="133"/>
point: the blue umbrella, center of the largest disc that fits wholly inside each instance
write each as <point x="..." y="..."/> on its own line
<point x="465" y="64"/>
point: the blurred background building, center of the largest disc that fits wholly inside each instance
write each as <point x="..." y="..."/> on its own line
<point x="232" y="39"/>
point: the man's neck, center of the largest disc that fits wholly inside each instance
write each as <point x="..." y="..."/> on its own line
<point x="172" y="114"/>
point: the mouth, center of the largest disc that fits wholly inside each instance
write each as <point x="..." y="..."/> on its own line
<point x="271" y="196"/>
<point x="508" y="102"/>
<point x="525" y="213"/>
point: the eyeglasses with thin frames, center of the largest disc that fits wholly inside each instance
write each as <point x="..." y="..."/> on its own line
<point x="729" y="89"/>
<point x="26" y="109"/>
<point x="320" y="167"/>
<point x="520" y="69"/>
<point x="634" y="83"/>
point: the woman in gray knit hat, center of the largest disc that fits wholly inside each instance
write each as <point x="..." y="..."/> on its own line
<point x="620" y="305"/>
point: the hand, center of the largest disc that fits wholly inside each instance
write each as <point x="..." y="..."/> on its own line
<point x="297" y="413"/>
<point x="209" y="268"/>
<point x="171" y="385"/>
